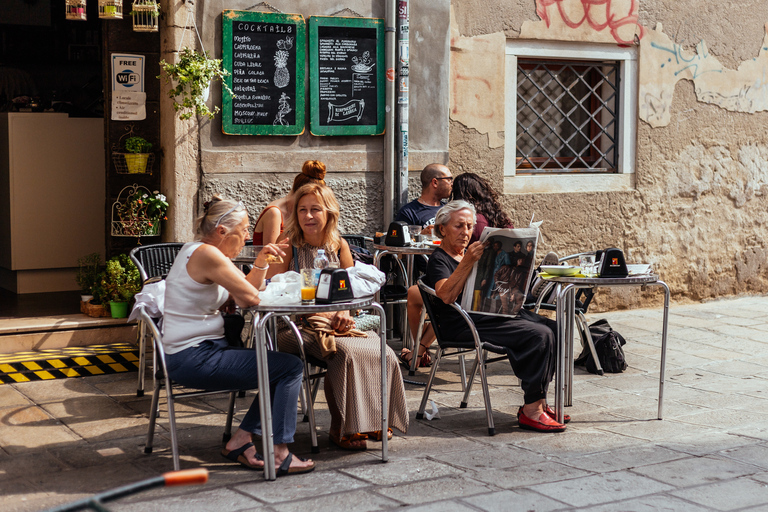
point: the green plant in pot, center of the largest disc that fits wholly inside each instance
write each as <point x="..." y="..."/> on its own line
<point x="137" y="153"/>
<point x="190" y="80"/>
<point x="88" y="268"/>
<point x="119" y="283"/>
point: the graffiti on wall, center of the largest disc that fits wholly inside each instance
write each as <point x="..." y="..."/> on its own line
<point x="663" y="62"/>
<point x="606" y="21"/>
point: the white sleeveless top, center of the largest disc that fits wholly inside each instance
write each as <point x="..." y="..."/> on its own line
<point x="191" y="308"/>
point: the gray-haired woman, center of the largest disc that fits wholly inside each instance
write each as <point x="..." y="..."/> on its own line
<point x="528" y="338"/>
<point x="200" y="281"/>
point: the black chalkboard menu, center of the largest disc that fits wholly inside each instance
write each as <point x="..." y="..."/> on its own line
<point x="265" y="55"/>
<point x="346" y="70"/>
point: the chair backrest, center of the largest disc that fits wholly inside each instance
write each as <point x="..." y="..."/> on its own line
<point x="430" y="298"/>
<point x="155" y="260"/>
<point x="357" y="240"/>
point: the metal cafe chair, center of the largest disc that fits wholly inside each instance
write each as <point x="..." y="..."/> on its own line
<point x="162" y="381"/>
<point x="449" y="347"/>
<point x="153" y="261"/>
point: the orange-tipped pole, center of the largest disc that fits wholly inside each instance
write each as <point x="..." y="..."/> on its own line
<point x="186" y="477"/>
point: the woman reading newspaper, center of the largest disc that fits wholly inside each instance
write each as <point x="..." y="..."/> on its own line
<point x="528" y="337"/>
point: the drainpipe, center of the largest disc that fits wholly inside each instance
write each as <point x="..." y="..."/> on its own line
<point x="389" y="138"/>
<point x="402" y="101"/>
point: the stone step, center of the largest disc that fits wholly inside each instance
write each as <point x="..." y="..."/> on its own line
<point x="60" y="331"/>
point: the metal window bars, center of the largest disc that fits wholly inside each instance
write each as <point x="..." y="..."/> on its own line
<point x="567" y="116"/>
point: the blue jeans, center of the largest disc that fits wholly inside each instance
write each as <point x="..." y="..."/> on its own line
<point x="214" y="365"/>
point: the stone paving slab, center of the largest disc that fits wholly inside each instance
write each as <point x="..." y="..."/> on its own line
<point x="63" y="440"/>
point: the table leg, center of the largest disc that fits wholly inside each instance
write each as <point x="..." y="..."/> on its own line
<point x="570" y="305"/>
<point x="384" y="405"/>
<point x="663" y="364"/>
<point x="559" y="351"/>
<point x="265" y="406"/>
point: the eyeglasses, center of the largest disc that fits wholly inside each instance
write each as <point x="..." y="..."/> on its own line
<point x="449" y="178"/>
<point x="238" y="205"/>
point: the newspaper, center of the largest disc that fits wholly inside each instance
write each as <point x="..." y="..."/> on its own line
<point x="499" y="281"/>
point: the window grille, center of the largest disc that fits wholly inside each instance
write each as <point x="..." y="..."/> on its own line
<point x="567" y="116"/>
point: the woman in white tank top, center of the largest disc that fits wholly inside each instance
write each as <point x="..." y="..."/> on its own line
<point x="200" y="281"/>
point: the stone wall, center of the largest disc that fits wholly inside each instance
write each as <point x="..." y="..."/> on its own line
<point x="698" y="208"/>
<point x="201" y="160"/>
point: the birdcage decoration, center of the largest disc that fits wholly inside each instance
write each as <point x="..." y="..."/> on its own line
<point x="138" y="212"/>
<point x="75" y="10"/>
<point x="145" y="14"/>
<point x="111" y="9"/>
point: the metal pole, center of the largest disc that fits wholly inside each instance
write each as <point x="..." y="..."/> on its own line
<point x="403" y="47"/>
<point x="389" y="138"/>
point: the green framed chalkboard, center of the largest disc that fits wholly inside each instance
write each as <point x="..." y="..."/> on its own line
<point x="346" y="76"/>
<point x="266" y="56"/>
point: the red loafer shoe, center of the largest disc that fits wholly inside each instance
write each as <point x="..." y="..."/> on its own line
<point x="543" y="424"/>
<point x="553" y="415"/>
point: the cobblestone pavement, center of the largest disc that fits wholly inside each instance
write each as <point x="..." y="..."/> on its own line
<point x="65" y="439"/>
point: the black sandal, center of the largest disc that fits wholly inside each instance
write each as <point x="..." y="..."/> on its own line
<point x="286" y="469"/>
<point x="237" y="456"/>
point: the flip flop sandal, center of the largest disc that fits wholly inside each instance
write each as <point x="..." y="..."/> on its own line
<point x="237" y="456"/>
<point x="376" y="435"/>
<point x="345" y="442"/>
<point x="285" y="468"/>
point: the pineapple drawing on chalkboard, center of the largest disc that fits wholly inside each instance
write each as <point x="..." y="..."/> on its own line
<point x="282" y="76"/>
<point x="282" y="110"/>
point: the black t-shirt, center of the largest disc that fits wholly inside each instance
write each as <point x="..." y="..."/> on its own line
<point x="441" y="265"/>
<point x="415" y="213"/>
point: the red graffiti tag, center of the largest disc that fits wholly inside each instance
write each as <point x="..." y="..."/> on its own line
<point x="591" y="9"/>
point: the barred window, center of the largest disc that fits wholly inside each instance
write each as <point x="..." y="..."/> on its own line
<point x="567" y="116"/>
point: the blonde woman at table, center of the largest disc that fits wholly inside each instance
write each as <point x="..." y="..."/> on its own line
<point x="353" y="378"/>
<point x="270" y="224"/>
<point x="200" y="281"/>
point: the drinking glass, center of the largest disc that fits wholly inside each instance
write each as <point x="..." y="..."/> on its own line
<point x="308" y="286"/>
<point x="588" y="266"/>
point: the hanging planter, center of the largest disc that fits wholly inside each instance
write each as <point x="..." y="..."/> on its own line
<point x="145" y="14"/>
<point x="138" y="212"/>
<point x="75" y="10"/>
<point x="137" y="159"/>
<point x="111" y="9"/>
<point x="191" y="78"/>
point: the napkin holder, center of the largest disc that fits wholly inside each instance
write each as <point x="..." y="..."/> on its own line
<point x="612" y="263"/>
<point x="398" y="235"/>
<point x="333" y="286"/>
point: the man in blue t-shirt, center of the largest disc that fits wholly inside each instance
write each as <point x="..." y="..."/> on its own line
<point x="436" y="184"/>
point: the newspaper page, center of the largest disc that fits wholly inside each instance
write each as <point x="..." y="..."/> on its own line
<point x="499" y="281"/>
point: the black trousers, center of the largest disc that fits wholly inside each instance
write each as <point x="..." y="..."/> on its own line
<point x="530" y="343"/>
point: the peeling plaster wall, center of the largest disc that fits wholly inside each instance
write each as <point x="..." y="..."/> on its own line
<point x="698" y="212"/>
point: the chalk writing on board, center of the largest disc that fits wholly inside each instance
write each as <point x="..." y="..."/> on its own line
<point x="262" y="55"/>
<point x="347" y="78"/>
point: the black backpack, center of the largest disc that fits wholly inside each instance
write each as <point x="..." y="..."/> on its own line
<point x="608" y="345"/>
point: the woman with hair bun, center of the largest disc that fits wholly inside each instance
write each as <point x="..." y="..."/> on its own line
<point x="270" y="224"/>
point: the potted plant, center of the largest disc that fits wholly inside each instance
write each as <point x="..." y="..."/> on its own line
<point x="137" y="212"/>
<point x="88" y="268"/>
<point x="119" y="283"/>
<point x="190" y="79"/>
<point x="137" y="154"/>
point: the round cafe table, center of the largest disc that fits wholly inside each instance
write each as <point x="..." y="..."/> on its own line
<point x="261" y="316"/>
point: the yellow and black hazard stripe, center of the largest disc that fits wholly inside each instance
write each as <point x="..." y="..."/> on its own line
<point x="68" y="362"/>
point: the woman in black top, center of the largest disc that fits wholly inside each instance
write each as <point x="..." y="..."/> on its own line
<point x="528" y="338"/>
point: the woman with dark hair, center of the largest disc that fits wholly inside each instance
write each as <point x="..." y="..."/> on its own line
<point x="270" y="224"/>
<point x="354" y="368"/>
<point x="478" y="192"/>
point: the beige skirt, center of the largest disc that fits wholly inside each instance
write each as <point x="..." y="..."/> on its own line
<point x="354" y="380"/>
